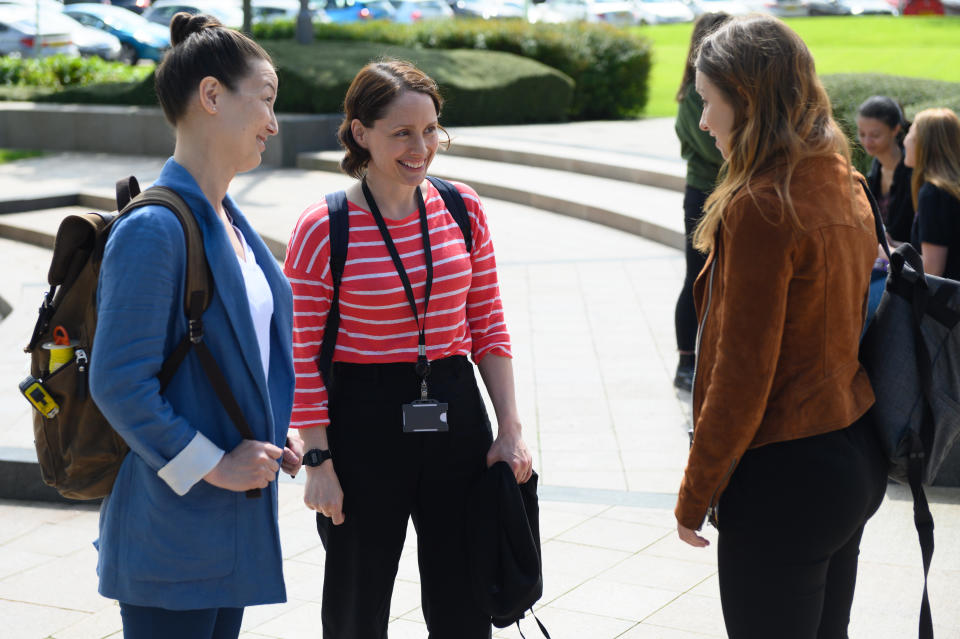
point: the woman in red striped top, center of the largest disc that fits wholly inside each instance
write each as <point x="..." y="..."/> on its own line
<point x="372" y="476"/>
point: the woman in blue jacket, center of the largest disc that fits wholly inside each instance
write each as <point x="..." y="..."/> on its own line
<point x="181" y="546"/>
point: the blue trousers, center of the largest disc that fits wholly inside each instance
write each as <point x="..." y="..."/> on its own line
<point x="140" y="622"/>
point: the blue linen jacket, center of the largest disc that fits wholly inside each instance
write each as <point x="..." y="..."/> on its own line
<point x="210" y="547"/>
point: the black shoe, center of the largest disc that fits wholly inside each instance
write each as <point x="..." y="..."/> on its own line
<point x="684" y="377"/>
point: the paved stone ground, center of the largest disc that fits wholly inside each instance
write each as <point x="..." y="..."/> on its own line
<point x="591" y="315"/>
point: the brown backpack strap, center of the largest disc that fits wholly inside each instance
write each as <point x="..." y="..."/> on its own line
<point x="196" y="300"/>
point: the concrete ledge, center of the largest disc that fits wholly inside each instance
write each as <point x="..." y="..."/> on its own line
<point x="635" y="224"/>
<point x="20" y="478"/>
<point x="132" y="130"/>
<point x="614" y="166"/>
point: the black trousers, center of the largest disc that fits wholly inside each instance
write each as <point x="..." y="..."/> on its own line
<point x="685" y="316"/>
<point x="790" y="524"/>
<point x="389" y="476"/>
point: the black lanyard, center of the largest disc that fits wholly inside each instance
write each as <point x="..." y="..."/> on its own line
<point x="423" y="364"/>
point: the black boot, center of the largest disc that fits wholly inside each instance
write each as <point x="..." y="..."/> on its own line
<point x="685" y="368"/>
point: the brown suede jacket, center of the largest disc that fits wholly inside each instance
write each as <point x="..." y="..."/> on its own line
<point x="781" y="310"/>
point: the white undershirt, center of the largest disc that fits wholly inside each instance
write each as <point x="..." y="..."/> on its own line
<point x="260" y="299"/>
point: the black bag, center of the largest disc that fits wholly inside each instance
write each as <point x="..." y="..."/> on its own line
<point x="911" y="352"/>
<point x="503" y="539"/>
<point x="79" y="452"/>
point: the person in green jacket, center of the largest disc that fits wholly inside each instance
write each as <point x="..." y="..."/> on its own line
<point x="703" y="158"/>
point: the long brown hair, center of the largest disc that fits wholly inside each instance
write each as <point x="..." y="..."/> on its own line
<point x="371" y="93"/>
<point x="704" y="26"/>
<point x="937" y="161"/>
<point x="782" y="113"/>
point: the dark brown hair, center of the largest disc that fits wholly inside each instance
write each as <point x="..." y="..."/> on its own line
<point x="201" y="47"/>
<point x="706" y="24"/>
<point x="371" y="93"/>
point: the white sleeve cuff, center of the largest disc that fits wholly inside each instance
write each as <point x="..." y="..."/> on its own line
<point x="191" y="464"/>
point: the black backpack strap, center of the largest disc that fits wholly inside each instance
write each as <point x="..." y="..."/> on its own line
<point x="454" y="201"/>
<point x="198" y="292"/>
<point x="338" y="216"/>
<point x="877" y="219"/>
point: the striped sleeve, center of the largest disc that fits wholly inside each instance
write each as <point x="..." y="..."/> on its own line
<point x="488" y="328"/>
<point x="307" y="266"/>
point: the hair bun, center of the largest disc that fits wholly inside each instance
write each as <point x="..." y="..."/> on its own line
<point x="183" y="25"/>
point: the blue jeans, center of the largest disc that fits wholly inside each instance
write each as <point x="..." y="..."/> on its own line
<point x="140" y="622"/>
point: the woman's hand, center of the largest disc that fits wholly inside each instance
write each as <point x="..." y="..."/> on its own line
<point x="323" y="493"/>
<point x="511" y="448"/>
<point x="691" y="537"/>
<point x="250" y="465"/>
<point x="292" y="454"/>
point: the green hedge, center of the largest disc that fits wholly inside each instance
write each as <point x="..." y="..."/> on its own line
<point x="609" y="66"/>
<point x="848" y="90"/>
<point x="60" y="71"/>
<point x="480" y="87"/>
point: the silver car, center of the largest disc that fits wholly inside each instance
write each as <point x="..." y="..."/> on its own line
<point x="19" y="35"/>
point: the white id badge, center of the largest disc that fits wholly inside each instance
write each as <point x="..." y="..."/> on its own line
<point x="425" y="416"/>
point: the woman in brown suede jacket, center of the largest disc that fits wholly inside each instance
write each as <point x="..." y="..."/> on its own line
<point x="783" y="461"/>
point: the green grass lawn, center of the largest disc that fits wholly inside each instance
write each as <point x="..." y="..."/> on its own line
<point x="9" y="155"/>
<point x="921" y="47"/>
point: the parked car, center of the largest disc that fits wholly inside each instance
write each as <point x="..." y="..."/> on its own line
<point x="489" y="9"/>
<point x="341" y="11"/>
<point x="270" y="10"/>
<point x="89" y="41"/>
<point x="730" y="7"/>
<point x="922" y="8"/>
<point x="20" y="37"/>
<point x="139" y="38"/>
<point x="616" y="12"/>
<point x="663" y="12"/>
<point x="787" y="8"/>
<point x="137" y="6"/>
<point x="408" y="11"/>
<point x="162" y="11"/>
<point x="850" y="7"/>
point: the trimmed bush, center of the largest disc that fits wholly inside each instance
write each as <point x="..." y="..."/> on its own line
<point x="848" y="90"/>
<point x="610" y="67"/>
<point x="57" y="72"/>
<point x="479" y="87"/>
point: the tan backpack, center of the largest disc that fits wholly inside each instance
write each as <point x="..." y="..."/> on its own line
<point x="79" y="452"/>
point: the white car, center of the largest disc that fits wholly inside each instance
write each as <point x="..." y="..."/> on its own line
<point x="19" y="35"/>
<point x="270" y="10"/>
<point x="615" y="12"/>
<point x="730" y="7"/>
<point x="162" y="11"/>
<point x="663" y="12"/>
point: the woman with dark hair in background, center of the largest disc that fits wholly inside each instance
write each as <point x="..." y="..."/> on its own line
<point x="703" y="164"/>
<point x="932" y="149"/>
<point x="880" y="129"/>
<point x="413" y="304"/>
<point x="181" y="546"/>
<point x="784" y="461"/>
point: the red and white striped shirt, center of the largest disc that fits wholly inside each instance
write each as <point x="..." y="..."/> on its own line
<point x="465" y="316"/>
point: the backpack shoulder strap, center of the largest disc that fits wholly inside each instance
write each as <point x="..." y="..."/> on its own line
<point x="338" y="216"/>
<point x="454" y="201"/>
<point x="198" y="290"/>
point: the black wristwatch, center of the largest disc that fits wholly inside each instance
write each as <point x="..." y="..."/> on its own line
<point x="314" y="457"/>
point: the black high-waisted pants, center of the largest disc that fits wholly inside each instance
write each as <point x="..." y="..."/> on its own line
<point x="685" y="315"/>
<point x="389" y="476"/>
<point x="790" y="525"/>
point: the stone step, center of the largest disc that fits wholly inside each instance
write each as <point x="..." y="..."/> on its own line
<point x="648" y="211"/>
<point x="639" y="169"/>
